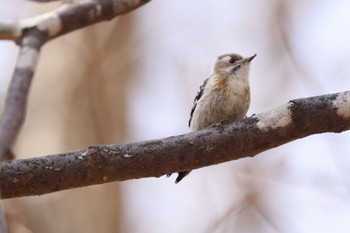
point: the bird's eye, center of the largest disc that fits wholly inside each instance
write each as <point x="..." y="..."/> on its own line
<point x="232" y="60"/>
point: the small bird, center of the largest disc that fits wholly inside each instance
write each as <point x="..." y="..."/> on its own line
<point x="224" y="96"/>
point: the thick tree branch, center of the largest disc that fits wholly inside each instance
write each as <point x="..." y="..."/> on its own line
<point x="31" y="34"/>
<point x="106" y="163"/>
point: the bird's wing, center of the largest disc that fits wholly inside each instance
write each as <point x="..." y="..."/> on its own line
<point x="196" y="99"/>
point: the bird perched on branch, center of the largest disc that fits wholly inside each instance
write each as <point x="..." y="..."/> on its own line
<point x="224" y="96"/>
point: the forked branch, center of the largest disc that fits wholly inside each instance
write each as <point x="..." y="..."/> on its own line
<point x="31" y="34"/>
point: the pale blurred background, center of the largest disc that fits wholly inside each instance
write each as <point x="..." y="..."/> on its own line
<point x="134" y="78"/>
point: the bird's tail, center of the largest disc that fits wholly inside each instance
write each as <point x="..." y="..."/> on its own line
<point x="180" y="176"/>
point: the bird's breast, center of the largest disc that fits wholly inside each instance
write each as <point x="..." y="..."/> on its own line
<point x="218" y="106"/>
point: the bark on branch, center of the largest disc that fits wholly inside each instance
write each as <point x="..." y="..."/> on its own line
<point x="106" y="163"/>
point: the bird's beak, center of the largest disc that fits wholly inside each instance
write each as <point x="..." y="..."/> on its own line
<point x="249" y="59"/>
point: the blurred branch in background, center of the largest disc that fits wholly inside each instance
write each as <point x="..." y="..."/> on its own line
<point x="17" y="93"/>
<point x="69" y="17"/>
<point x="105" y="163"/>
<point x="31" y="34"/>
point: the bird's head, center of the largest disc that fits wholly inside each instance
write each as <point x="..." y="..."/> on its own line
<point x="232" y="65"/>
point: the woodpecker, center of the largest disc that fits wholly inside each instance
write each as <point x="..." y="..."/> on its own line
<point x="224" y="95"/>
